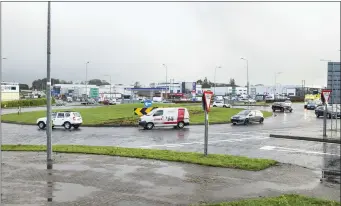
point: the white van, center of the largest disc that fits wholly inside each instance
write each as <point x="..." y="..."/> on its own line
<point x="164" y="117"/>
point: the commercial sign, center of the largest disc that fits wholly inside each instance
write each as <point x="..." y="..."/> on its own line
<point x="194" y="87"/>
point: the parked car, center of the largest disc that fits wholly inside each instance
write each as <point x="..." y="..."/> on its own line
<point x="221" y="104"/>
<point x="69" y="99"/>
<point x="288" y="103"/>
<point x="66" y="119"/>
<point x="311" y="105"/>
<point x="332" y="112"/>
<point x="163" y="117"/>
<point x="281" y="106"/>
<point x="249" y="101"/>
<point x="60" y="103"/>
<point x="247" y="116"/>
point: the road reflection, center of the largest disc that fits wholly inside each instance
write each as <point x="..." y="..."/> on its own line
<point x="331" y="164"/>
<point x="50" y="185"/>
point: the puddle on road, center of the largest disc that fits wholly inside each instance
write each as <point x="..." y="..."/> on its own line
<point x="67" y="192"/>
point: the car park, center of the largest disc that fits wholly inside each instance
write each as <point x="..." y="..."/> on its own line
<point x="66" y="119"/>
<point x="332" y="112"/>
<point x="163" y="117"/>
<point x="221" y="104"/>
<point x="248" y="116"/>
<point x="250" y="101"/>
<point x="281" y="106"/>
<point x="60" y="103"/>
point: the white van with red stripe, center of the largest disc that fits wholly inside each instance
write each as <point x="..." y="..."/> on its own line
<point x="165" y="117"/>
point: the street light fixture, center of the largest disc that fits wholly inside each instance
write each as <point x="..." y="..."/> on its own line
<point x="275" y="89"/>
<point x="110" y="83"/>
<point x="215" y="83"/>
<point x="164" y="65"/>
<point x="247" y="75"/>
<point x="86" y="79"/>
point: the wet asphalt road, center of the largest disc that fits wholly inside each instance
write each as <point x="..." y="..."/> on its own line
<point x="252" y="140"/>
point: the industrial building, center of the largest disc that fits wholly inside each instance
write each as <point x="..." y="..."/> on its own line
<point x="10" y="91"/>
<point x="333" y="82"/>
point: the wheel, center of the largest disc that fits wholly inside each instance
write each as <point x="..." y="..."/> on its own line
<point x="76" y="126"/>
<point x="41" y="125"/>
<point x="290" y="110"/>
<point x="282" y="109"/>
<point x="261" y="120"/>
<point x="317" y="115"/>
<point x="67" y="125"/>
<point x="273" y="110"/>
<point x="329" y="116"/>
<point x="224" y="106"/>
<point x="234" y="123"/>
<point x="149" y="126"/>
<point x="214" y="106"/>
<point x="181" y="125"/>
<point x="246" y="121"/>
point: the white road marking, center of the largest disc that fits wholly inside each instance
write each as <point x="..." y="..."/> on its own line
<point x="209" y="142"/>
<point x="285" y="149"/>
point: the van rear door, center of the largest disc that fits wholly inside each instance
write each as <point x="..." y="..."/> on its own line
<point x="181" y="115"/>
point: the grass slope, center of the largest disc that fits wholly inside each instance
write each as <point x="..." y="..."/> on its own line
<point x="283" y="200"/>
<point x="216" y="160"/>
<point x="123" y="114"/>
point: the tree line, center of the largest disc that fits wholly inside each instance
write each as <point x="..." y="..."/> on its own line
<point x="208" y="84"/>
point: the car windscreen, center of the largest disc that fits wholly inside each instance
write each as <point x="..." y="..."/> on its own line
<point x="53" y="115"/>
<point x="244" y="112"/>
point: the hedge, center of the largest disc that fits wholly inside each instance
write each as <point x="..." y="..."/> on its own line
<point x="25" y="103"/>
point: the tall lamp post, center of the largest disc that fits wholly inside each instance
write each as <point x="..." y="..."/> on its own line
<point x="86" y="79"/>
<point x="164" y="65"/>
<point x="110" y="83"/>
<point x="247" y="75"/>
<point x="215" y="83"/>
<point x="275" y="89"/>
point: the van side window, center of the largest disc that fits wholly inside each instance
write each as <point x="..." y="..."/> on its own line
<point x="158" y="113"/>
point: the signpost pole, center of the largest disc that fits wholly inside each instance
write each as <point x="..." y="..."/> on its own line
<point x="206" y="132"/>
<point x="325" y="120"/>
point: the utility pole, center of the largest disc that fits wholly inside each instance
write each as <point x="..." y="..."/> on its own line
<point x="247" y="76"/>
<point x="48" y="90"/>
<point x="86" y="80"/>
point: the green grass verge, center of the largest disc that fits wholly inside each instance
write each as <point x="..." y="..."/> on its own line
<point x="283" y="200"/>
<point x="123" y="114"/>
<point x="215" y="160"/>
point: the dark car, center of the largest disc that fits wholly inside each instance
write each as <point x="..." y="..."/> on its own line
<point x="331" y="112"/>
<point x="311" y="105"/>
<point x="282" y="106"/>
<point x="247" y="116"/>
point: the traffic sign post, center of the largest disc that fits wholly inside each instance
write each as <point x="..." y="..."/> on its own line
<point x="206" y="104"/>
<point x="325" y="98"/>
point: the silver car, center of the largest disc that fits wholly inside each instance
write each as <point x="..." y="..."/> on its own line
<point x="248" y="116"/>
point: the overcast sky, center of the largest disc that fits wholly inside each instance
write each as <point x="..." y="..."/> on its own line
<point x="131" y="41"/>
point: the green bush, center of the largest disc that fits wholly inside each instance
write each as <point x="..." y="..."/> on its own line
<point x="25" y="103"/>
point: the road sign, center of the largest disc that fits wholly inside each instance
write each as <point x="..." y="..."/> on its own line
<point x="206" y="98"/>
<point x="94" y="92"/>
<point x="148" y="103"/>
<point x="326" y="94"/>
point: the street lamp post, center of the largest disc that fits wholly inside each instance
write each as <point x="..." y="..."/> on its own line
<point x="166" y="77"/>
<point x="215" y="83"/>
<point x="247" y="75"/>
<point x="110" y="84"/>
<point x="275" y="89"/>
<point x="86" y="80"/>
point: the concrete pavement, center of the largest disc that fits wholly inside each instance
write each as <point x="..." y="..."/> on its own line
<point x="104" y="180"/>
